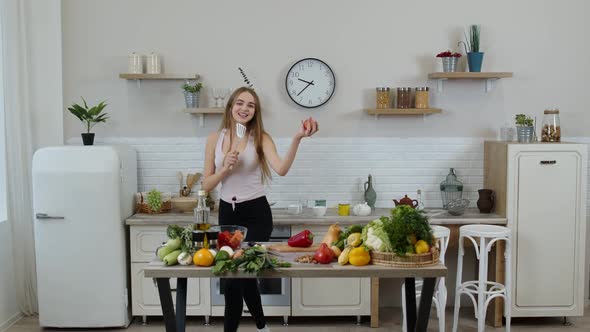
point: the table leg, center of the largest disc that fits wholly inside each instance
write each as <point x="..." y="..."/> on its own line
<point x="166" y="302"/>
<point x="181" y="304"/>
<point x="374" y="302"/>
<point x="410" y="303"/>
<point x="425" y="304"/>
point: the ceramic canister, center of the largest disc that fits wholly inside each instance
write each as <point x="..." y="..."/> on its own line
<point x="154" y="65"/>
<point x="135" y="65"/>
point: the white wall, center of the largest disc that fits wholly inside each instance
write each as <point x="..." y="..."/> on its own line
<point x="9" y="311"/>
<point x="372" y="44"/>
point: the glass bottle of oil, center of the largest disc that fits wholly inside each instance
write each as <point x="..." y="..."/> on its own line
<point x="202" y="215"/>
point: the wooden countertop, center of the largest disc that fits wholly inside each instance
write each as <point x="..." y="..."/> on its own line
<point x="159" y="270"/>
<point x="280" y="217"/>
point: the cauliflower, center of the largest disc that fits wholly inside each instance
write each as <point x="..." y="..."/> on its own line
<point x="376" y="237"/>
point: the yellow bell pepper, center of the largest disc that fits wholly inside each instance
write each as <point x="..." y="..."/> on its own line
<point x="359" y="256"/>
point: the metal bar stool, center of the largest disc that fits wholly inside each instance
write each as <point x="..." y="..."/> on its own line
<point x="485" y="290"/>
<point x="439" y="299"/>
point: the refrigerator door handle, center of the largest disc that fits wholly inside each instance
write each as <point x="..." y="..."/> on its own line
<point x="46" y="216"/>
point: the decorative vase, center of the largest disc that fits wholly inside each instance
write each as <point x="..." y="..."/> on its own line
<point x="449" y="64"/>
<point x="451" y="189"/>
<point x="474" y="59"/>
<point x="370" y="194"/>
<point x="191" y="99"/>
<point x="88" y="138"/>
<point x="525" y="134"/>
<point x="485" y="203"/>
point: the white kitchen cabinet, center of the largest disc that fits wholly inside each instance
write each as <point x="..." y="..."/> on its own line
<point x="143" y="241"/>
<point x="541" y="188"/>
<point x="329" y="296"/>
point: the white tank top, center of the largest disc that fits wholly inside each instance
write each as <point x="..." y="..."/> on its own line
<point x="245" y="180"/>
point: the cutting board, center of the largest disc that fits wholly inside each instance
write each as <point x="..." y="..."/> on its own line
<point x="283" y="247"/>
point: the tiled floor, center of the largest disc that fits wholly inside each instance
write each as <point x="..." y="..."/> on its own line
<point x="390" y="321"/>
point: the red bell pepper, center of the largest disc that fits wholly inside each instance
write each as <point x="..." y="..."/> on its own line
<point x="301" y="240"/>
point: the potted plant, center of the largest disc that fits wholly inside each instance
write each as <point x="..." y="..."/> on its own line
<point x="449" y="60"/>
<point x="90" y="116"/>
<point x="191" y="94"/>
<point x="471" y="44"/>
<point x="524" y="128"/>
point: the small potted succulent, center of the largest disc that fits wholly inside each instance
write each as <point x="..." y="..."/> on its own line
<point x="449" y="60"/>
<point x="191" y="94"/>
<point x="524" y="128"/>
<point x="90" y="116"/>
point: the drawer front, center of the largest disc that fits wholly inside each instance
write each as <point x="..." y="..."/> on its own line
<point x="331" y="296"/>
<point x="143" y="242"/>
<point x="546" y="229"/>
<point x="145" y="299"/>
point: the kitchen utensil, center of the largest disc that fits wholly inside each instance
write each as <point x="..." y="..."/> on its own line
<point x="179" y="176"/>
<point x="284" y="247"/>
<point x="458" y="206"/>
<point x="241" y="133"/>
<point x="406" y="201"/>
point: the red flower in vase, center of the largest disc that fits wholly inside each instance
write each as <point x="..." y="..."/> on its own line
<point x="448" y="54"/>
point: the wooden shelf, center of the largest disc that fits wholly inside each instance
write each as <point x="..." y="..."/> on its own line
<point x="202" y="111"/>
<point x="211" y="110"/>
<point x="402" y="111"/>
<point x="489" y="77"/>
<point x="159" y="76"/>
<point x="469" y="75"/>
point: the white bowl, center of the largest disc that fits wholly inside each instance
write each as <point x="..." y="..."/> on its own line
<point x="319" y="211"/>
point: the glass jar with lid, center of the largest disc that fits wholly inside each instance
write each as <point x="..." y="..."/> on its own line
<point x="421" y="97"/>
<point x="551" y="129"/>
<point x="382" y="98"/>
<point x="404" y="98"/>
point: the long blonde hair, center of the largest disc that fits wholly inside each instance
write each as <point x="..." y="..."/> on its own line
<point x="254" y="128"/>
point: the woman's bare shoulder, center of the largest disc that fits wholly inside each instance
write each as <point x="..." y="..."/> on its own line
<point x="213" y="136"/>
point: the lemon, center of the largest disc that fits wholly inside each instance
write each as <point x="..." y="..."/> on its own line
<point x="421" y="247"/>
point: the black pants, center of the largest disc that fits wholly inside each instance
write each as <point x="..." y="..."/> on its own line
<point x="257" y="217"/>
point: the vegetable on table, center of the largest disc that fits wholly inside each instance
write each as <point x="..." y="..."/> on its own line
<point x="332" y="235"/>
<point x="203" y="258"/>
<point x="376" y="235"/>
<point x="409" y="225"/>
<point x="341" y="242"/>
<point x="344" y="256"/>
<point x="336" y="251"/>
<point x="170" y="246"/>
<point x="222" y="255"/>
<point x="303" y="239"/>
<point x="232" y="240"/>
<point x="252" y="260"/>
<point x="354" y="240"/>
<point x="172" y="258"/>
<point x="359" y="256"/>
<point x="185" y="258"/>
<point x="324" y="255"/>
<point x="227" y="249"/>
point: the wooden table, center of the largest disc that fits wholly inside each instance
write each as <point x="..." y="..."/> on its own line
<point x="175" y="321"/>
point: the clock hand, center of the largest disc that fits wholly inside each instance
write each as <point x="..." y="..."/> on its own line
<point x="308" y="84"/>
<point x="306" y="81"/>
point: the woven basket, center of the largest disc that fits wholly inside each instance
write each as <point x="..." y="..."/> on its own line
<point x="143" y="207"/>
<point x="410" y="260"/>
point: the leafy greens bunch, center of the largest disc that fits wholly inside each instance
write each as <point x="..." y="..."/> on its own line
<point x="407" y="226"/>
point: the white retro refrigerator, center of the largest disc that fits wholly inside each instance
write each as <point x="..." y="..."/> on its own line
<point x="81" y="198"/>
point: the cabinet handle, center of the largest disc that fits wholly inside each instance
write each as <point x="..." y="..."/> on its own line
<point x="246" y="311"/>
<point x="548" y="162"/>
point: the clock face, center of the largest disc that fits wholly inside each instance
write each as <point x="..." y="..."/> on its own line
<point x="310" y="83"/>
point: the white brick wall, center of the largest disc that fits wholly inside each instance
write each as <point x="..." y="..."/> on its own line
<point x="334" y="168"/>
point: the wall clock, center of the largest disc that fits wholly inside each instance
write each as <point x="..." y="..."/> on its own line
<point x="310" y="82"/>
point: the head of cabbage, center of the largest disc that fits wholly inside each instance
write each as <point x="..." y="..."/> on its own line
<point x="376" y="236"/>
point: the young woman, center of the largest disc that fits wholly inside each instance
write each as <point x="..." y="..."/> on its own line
<point x="242" y="168"/>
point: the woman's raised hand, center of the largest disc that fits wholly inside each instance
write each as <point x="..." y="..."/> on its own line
<point x="230" y="160"/>
<point x="309" y="127"/>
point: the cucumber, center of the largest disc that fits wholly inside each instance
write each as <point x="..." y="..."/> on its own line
<point x="172" y="258"/>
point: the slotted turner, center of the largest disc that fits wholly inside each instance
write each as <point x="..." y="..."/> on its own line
<point x="241" y="133"/>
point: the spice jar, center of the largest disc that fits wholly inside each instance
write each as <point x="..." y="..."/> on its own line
<point x="382" y="97"/>
<point x="421" y="97"/>
<point x="404" y="98"/>
<point x="551" y="130"/>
